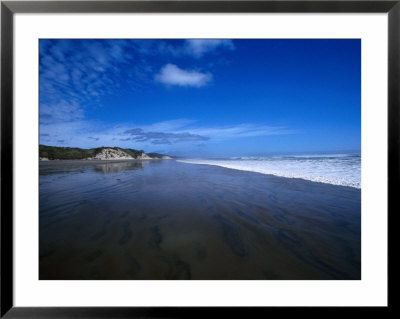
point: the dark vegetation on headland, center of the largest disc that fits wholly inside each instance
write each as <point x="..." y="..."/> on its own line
<point x="69" y="153"/>
<point x="157" y="155"/>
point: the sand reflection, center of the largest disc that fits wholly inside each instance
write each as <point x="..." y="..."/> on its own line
<point x="120" y="166"/>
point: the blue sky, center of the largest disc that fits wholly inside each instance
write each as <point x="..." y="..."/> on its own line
<point x="202" y="97"/>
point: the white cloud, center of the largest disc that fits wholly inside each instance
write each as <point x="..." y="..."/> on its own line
<point x="170" y="74"/>
<point x="198" y="47"/>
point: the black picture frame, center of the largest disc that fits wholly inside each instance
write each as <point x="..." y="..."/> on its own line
<point x="9" y="8"/>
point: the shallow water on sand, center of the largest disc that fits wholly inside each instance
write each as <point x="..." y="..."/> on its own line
<point x="162" y="219"/>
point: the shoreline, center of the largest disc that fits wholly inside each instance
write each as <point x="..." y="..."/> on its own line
<point x="77" y="162"/>
<point x="269" y="174"/>
<point x="272" y="175"/>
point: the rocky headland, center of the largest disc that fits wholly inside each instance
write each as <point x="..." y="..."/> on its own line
<point x="101" y="153"/>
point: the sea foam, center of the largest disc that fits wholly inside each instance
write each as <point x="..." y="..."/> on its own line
<point x="336" y="169"/>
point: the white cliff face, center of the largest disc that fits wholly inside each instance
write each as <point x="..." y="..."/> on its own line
<point x="112" y="154"/>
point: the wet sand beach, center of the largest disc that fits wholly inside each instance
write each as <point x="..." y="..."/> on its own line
<point x="163" y="219"/>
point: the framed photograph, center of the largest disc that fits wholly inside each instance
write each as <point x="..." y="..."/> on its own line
<point x="183" y="158"/>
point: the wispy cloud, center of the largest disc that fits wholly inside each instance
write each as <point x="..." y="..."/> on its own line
<point x="221" y="132"/>
<point x="60" y="112"/>
<point x="77" y="74"/>
<point x="139" y="135"/>
<point x="169" y="126"/>
<point x="198" y="47"/>
<point x="173" y="134"/>
<point x="242" y="130"/>
<point x="170" y="74"/>
<point x="177" y="131"/>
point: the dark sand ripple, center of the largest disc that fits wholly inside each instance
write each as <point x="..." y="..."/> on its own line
<point x="168" y="220"/>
